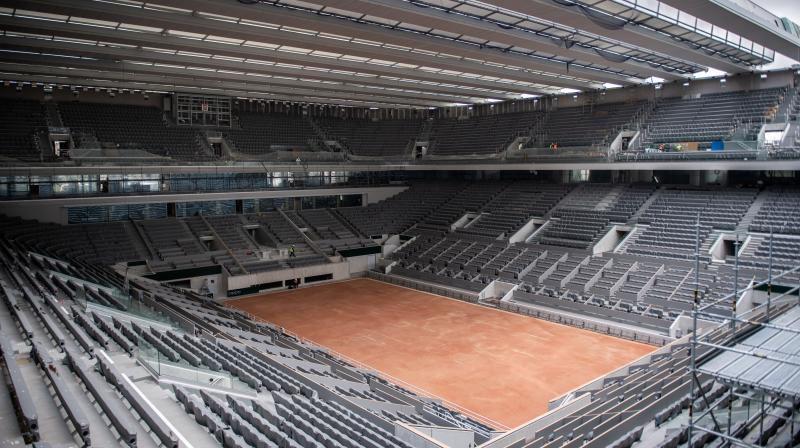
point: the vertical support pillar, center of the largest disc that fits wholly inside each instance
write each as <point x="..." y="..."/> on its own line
<point x="695" y="307"/>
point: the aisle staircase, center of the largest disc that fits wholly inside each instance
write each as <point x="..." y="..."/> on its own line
<point x="744" y="224"/>
<point x="653" y="198"/>
<point x="611" y="198"/>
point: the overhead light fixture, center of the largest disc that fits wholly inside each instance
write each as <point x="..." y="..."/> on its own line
<point x="658" y="86"/>
<point x="686" y="84"/>
<point x="723" y="80"/>
<point x="763" y="76"/>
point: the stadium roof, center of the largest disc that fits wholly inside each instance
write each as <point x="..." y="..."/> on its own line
<point x="391" y="53"/>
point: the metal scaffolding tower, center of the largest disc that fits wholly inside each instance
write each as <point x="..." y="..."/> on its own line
<point x="745" y="374"/>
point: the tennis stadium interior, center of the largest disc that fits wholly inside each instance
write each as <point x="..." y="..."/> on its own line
<point x="400" y="223"/>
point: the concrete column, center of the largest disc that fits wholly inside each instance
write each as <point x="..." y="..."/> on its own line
<point x="642" y="176"/>
<point x="716" y="177"/>
<point x="695" y="178"/>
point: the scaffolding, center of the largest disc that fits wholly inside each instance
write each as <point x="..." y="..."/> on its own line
<point x="753" y="359"/>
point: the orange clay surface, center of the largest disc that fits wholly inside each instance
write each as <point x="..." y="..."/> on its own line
<point x="500" y="365"/>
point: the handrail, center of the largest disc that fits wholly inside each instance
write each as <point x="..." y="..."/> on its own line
<point x="385" y="376"/>
<point x="221" y="241"/>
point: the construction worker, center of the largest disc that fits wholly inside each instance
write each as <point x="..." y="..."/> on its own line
<point x="291" y="250"/>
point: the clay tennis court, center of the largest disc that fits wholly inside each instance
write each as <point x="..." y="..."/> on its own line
<point x="500" y="365"/>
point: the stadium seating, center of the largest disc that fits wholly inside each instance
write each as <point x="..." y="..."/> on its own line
<point x="711" y="117"/>
<point x="645" y="286"/>
<point x="192" y="193"/>
<point x="673" y="216"/>
<point x="585" y="125"/>
<point x="719" y="116"/>
<point x="263" y="133"/>
<point x="511" y="208"/>
<point x="470" y="199"/>
<point x="375" y="138"/>
<point x="402" y="211"/>
<point x="780" y="212"/>
<point x="81" y="242"/>
<point x="328" y="232"/>
<point x="757" y="252"/>
<point x="583" y="216"/>
<point x="257" y="356"/>
<point x="126" y="126"/>
<point x="482" y="135"/>
<point x="19" y="121"/>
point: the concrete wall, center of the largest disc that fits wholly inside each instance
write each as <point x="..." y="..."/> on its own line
<point x="361" y="264"/>
<point x="447" y="436"/>
<point x="586" y="322"/>
<point x="416" y="437"/>
<point x="216" y="284"/>
<point x="340" y="271"/>
<point x="527" y="431"/>
<point x="55" y="209"/>
<point x="496" y="289"/>
<point x="527" y="230"/>
<point x="611" y="240"/>
<point x="683" y="325"/>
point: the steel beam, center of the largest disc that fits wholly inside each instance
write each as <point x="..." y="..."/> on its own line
<point x="125" y="56"/>
<point x="134" y="71"/>
<point x="77" y="31"/>
<point x="632" y="34"/>
<point x="746" y="19"/>
<point x="199" y="25"/>
<point x="166" y="86"/>
<point x="91" y="77"/>
<point x="460" y="24"/>
<point x="432" y="18"/>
